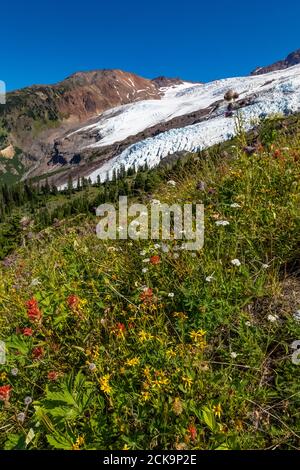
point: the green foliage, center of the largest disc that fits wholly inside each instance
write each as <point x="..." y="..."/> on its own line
<point x="3" y="136"/>
<point x="10" y="236"/>
<point x="268" y="129"/>
<point x="70" y="400"/>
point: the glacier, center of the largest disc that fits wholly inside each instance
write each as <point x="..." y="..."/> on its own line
<point x="272" y="93"/>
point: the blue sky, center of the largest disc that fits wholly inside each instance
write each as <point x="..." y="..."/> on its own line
<point x="45" y="41"/>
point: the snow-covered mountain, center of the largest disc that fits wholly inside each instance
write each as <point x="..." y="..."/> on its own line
<point x="92" y="123"/>
<point x="259" y="96"/>
<point x="119" y="123"/>
<point x="33" y="118"/>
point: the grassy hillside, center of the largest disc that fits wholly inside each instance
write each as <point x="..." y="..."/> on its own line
<point x="11" y="170"/>
<point x="140" y="345"/>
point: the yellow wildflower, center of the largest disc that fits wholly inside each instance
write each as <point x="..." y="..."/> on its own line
<point x="198" y="338"/>
<point x="146" y="396"/>
<point x="163" y="380"/>
<point x="132" y="362"/>
<point x="94" y="352"/>
<point x="132" y="307"/>
<point x="78" y="443"/>
<point x="104" y="384"/>
<point x="197" y="335"/>
<point x="144" y="336"/>
<point x="188" y="381"/>
<point x="180" y="315"/>
<point x="147" y="372"/>
<point x="217" y="410"/>
<point x="3" y="376"/>
<point x="170" y="353"/>
<point x="160" y="379"/>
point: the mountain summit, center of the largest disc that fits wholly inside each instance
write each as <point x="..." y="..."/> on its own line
<point x="34" y="117"/>
<point x="292" y="59"/>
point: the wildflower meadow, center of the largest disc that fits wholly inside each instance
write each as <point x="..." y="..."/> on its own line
<point x="138" y="344"/>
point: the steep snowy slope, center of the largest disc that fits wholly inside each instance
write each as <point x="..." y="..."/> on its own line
<point x="262" y="95"/>
<point x="120" y="122"/>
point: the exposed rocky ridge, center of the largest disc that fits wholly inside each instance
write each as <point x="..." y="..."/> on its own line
<point x="63" y="164"/>
<point x="34" y="117"/>
<point x="65" y="158"/>
<point x="292" y="59"/>
<point x="161" y="82"/>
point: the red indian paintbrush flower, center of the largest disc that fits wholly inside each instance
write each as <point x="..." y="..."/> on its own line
<point x="73" y="301"/>
<point x="155" y="259"/>
<point x="53" y="375"/>
<point x="38" y="352"/>
<point x="34" y="314"/>
<point x="32" y="303"/>
<point x="121" y="327"/>
<point x="5" y="391"/>
<point x="33" y="311"/>
<point x="146" y="295"/>
<point x="192" y="431"/>
<point x="277" y="153"/>
<point x="27" y="331"/>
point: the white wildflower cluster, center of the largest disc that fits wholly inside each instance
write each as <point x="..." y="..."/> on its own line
<point x="236" y="262"/>
<point x="296" y="315"/>
<point x="222" y="223"/>
<point x="272" y="318"/>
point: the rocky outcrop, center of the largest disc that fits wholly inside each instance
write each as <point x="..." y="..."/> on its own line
<point x="8" y="152"/>
<point x="62" y="164"/>
<point x="289" y="61"/>
<point x="34" y="117"/>
<point x="161" y="82"/>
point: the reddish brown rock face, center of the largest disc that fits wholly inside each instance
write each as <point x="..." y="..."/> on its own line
<point x="289" y="61"/>
<point x="86" y="94"/>
<point x="33" y="118"/>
